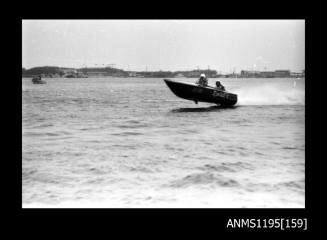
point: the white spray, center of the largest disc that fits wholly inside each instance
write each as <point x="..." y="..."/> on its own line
<point x="271" y="94"/>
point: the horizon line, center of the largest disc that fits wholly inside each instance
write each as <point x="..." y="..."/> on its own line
<point x="194" y="69"/>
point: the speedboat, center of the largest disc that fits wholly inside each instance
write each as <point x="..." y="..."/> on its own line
<point x="199" y="93"/>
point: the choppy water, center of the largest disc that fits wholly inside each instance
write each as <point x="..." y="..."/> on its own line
<point x="109" y="142"/>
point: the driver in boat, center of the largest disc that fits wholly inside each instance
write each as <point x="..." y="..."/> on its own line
<point x="203" y="81"/>
<point x="220" y="86"/>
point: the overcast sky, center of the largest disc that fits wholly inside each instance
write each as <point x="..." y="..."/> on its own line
<point x="172" y="45"/>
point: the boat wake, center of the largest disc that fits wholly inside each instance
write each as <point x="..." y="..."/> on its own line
<point x="202" y="109"/>
<point x="270" y="94"/>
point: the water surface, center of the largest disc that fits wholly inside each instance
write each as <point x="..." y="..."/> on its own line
<point x="130" y="142"/>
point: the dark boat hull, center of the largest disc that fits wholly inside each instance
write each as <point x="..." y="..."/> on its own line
<point x="199" y="93"/>
<point x="38" y="81"/>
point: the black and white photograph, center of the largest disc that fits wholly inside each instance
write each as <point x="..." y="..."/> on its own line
<point x="163" y="113"/>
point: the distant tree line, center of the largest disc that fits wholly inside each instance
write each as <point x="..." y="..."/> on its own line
<point x="105" y="70"/>
<point x="51" y="71"/>
<point x="47" y="70"/>
<point x="190" y="73"/>
<point x="159" y="74"/>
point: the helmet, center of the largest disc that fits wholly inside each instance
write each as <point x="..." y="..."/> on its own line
<point x="203" y="75"/>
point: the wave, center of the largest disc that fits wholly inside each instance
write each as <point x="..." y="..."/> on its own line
<point x="204" y="179"/>
<point x="132" y="126"/>
<point x="298" y="186"/>
<point x="127" y="134"/>
<point x="226" y="167"/>
<point x="201" y="109"/>
<point x="270" y="94"/>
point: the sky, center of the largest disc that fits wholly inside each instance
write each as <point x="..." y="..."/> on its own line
<point x="167" y="45"/>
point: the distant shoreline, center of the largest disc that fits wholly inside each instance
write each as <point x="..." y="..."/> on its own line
<point x="60" y="72"/>
<point x="110" y="77"/>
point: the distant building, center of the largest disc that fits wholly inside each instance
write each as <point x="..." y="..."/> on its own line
<point x="134" y="74"/>
<point x="296" y="75"/>
<point x="249" y="74"/>
<point x="282" y="73"/>
<point x="179" y="75"/>
<point x="98" y="73"/>
<point x="267" y="74"/>
<point x="68" y="70"/>
<point x="196" y="73"/>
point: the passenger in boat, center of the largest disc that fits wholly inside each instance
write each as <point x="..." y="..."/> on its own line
<point x="203" y="81"/>
<point x="220" y="86"/>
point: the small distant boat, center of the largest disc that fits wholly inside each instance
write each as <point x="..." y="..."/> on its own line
<point x="198" y="93"/>
<point x="70" y="76"/>
<point x="38" y="80"/>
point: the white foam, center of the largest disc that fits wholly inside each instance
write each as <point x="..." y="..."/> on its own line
<point x="270" y="94"/>
<point x="184" y="198"/>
